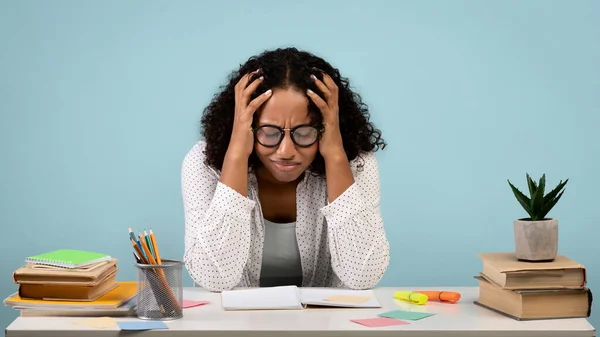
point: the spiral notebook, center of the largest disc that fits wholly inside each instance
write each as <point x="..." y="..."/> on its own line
<point x="68" y="258"/>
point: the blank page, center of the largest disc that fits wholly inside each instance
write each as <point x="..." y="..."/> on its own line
<point x="285" y="297"/>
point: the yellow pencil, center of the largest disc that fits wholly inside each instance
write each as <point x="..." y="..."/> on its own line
<point x="151" y="258"/>
<point x="155" y="246"/>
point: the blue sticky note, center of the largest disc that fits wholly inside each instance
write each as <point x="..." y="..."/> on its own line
<point x="410" y="315"/>
<point x="142" y="325"/>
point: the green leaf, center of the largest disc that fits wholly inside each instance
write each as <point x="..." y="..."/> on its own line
<point x="531" y="184"/>
<point x="537" y="199"/>
<point x="555" y="191"/>
<point x="522" y="198"/>
<point x="548" y="206"/>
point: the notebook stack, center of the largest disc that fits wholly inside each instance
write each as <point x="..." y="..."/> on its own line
<point x="64" y="280"/>
<point x="533" y="290"/>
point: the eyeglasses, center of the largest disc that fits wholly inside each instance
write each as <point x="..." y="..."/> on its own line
<point x="303" y="135"/>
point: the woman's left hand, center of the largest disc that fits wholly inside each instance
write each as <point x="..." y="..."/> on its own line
<point x="331" y="144"/>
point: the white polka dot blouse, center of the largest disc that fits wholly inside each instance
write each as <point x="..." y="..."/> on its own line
<point x="342" y="243"/>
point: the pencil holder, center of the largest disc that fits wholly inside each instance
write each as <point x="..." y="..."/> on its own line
<point x="160" y="290"/>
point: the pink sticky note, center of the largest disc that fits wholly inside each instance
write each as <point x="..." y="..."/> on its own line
<point x="190" y="304"/>
<point x="378" y="321"/>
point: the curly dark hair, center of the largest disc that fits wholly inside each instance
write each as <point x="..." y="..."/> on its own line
<point x="289" y="68"/>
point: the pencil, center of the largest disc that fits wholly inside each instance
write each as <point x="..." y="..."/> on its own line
<point x="147" y="250"/>
<point x="147" y="238"/>
<point x="137" y="241"/>
<point x="131" y="234"/>
<point x="151" y="259"/>
<point x="138" y="251"/>
<point x="155" y="246"/>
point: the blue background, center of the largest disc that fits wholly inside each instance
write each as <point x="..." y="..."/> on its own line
<point x="101" y="100"/>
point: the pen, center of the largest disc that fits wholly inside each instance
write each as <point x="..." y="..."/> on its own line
<point x="137" y="259"/>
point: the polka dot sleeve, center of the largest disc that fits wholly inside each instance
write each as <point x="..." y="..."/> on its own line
<point x="359" y="249"/>
<point x="217" y="225"/>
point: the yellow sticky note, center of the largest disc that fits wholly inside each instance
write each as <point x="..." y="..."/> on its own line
<point x="347" y="299"/>
<point x="99" y="323"/>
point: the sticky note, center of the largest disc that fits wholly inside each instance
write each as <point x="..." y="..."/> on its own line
<point x="98" y="323"/>
<point x="410" y="315"/>
<point x="347" y="299"/>
<point x="191" y="304"/>
<point x="379" y="321"/>
<point x="142" y="325"/>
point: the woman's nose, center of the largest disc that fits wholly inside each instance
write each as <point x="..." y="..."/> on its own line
<point x="287" y="148"/>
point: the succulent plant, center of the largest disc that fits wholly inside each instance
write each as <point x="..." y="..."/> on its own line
<point x="537" y="205"/>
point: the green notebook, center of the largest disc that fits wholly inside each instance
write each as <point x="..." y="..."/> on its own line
<point x="68" y="258"/>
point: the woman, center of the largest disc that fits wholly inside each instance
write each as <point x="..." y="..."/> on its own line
<point x="284" y="190"/>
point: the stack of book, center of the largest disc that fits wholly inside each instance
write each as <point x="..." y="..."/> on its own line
<point x="533" y="290"/>
<point x="64" y="280"/>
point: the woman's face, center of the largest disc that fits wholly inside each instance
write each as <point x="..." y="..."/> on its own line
<point x="286" y="162"/>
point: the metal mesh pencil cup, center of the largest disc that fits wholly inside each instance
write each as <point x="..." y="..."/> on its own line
<point x="160" y="290"/>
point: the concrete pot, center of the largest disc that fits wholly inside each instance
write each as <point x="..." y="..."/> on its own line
<point x="536" y="240"/>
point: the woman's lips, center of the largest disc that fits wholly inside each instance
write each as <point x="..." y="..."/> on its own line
<point x="285" y="165"/>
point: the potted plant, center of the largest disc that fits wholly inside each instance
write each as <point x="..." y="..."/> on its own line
<point x="536" y="236"/>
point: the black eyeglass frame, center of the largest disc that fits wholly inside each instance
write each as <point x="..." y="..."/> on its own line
<point x="282" y="134"/>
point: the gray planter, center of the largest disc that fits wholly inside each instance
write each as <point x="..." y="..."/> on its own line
<point x="536" y="240"/>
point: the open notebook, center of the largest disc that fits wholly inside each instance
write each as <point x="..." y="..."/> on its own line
<point x="292" y="297"/>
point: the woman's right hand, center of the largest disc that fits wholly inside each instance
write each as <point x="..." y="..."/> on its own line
<point x="242" y="137"/>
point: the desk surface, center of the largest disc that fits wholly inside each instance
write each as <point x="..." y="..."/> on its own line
<point x="460" y="319"/>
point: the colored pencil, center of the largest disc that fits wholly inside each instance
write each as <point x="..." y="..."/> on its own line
<point x="155" y="246"/>
<point x="147" y="250"/>
<point x="131" y="234"/>
<point x="147" y="238"/>
<point x="138" y="251"/>
<point x="136" y="240"/>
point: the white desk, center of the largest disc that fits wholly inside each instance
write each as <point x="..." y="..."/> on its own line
<point x="461" y="319"/>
